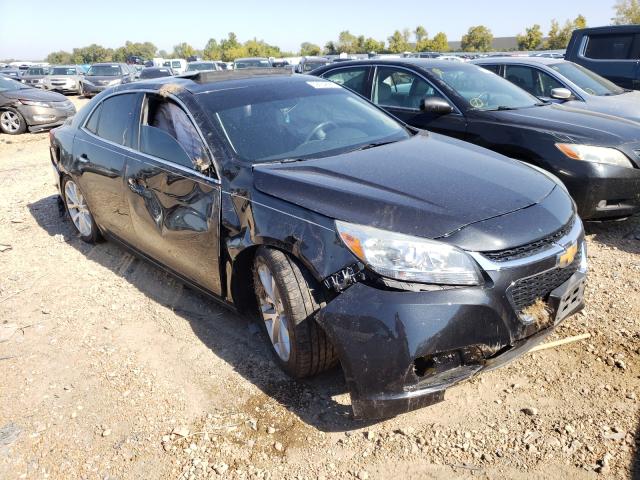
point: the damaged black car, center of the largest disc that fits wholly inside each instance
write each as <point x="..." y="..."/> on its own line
<point x="412" y="259"/>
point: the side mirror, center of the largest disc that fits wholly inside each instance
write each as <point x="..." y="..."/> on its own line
<point x="437" y="106"/>
<point x="561" y="94"/>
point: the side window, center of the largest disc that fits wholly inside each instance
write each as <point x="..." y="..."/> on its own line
<point x="92" y="124"/>
<point x="352" y="78"/>
<point x="492" y="68"/>
<point x="523" y="77"/>
<point x="395" y="87"/>
<point x="610" y="47"/>
<point x="166" y="115"/>
<point x="547" y="83"/>
<point x="114" y="123"/>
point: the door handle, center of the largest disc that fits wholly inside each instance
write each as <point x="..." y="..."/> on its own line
<point x="83" y="158"/>
<point x="136" y="186"/>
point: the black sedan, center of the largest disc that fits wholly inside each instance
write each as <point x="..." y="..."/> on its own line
<point x="596" y="156"/>
<point x="23" y="108"/>
<point x="413" y="259"/>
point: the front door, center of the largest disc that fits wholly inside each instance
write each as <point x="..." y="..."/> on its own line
<point x="173" y="195"/>
<point x="400" y="91"/>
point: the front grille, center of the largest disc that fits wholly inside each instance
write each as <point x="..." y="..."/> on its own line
<point x="526" y="291"/>
<point x="530" y="248"/>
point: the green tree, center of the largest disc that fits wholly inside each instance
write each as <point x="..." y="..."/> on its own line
<point x="439" y="43"/>
<point x="330" y="48"/>
<point x="347" y="42"/>
<point x="558" y="38"/>
<point x="92" y="54"/>
<point x="308" y="49"/>
<point x="163" y="54"/>
<point x="183" y="50"/>
<point x="146" y="50"/>
<point x="531" y="40"/>
<point x="372" y="45"/>
<point x="627" y="12"/>
<point x="58" y="58"/>
<point x="212" y="50"/>
<point x="420" y="33"/>
<point x="477" y="39"/>
<point x="399" y="41"/>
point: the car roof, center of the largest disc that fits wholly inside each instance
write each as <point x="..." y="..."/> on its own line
<point x="205" y="81"/>
<point x="610" y="28"/>
<point x="251" y="58"/>
<point x="418" y="62"/>
<point x="507" y="60"/>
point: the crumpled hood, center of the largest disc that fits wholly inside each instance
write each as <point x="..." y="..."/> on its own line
<point x="35" y="94"/>
<point x="426" y="186"/>
<point x="575" y="124"/>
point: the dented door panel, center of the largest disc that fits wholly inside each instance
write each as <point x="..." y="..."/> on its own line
<point x="176" y="217"/>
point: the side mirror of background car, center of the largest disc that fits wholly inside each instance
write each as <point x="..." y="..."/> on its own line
<point x="437" y="106"/>
<point x="561" y="94"/>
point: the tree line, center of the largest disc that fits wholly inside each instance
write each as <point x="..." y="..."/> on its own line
<point x="478" y="38"/>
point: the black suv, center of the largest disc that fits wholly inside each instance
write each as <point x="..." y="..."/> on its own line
<point x="612" y="52"/>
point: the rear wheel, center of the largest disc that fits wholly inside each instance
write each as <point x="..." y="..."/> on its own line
<point x="12" y="122"/>
<point x="79" y="212"/>
<point x="288" y="300"/>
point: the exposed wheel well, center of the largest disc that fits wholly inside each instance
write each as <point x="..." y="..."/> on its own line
<point x="242" y="281"/>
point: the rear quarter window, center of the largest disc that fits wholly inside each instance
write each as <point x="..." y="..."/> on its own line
<point x="612" y="47"/>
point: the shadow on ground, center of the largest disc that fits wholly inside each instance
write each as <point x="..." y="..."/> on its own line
<point x="235" y="339"/>
<point x="623" y="235"/>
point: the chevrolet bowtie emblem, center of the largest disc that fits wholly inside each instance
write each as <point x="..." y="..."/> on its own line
<point x="565" y="259"/>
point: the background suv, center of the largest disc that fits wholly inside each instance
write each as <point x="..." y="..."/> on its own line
<point x="104" y="75"/>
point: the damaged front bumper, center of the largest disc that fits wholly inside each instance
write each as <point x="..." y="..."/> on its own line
<point x="400" y="350"/>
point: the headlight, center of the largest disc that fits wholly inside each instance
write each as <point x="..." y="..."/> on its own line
<point x="589" y="153"/>
<point x="117" y="81"/>
<point x="33" y="103"/>
<point x="407" y="258"/>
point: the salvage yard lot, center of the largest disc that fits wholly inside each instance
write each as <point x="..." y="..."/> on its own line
<point x="103" y="356"/>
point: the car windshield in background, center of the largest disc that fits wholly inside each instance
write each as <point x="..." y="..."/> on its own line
<point x="104" y="71"/>
<point x="302" y="120"/>
<point x="196" y="67"/>
<point x="156" y="73"/>
<point x="63" y="71"/>
<point x="253" y="64"/>
<point x="587" y="80"/>
<point x="6" y="84"/>
<point x="308" y="66"/>
<point x="482" y="89"/>
<point x="37" y="71"/>
<point x="175" y="64"/>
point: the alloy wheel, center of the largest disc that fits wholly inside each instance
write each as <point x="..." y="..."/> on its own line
<point x="273" y="313"/>
<point x="77" y="208"/>
<point x="10" y="121"/>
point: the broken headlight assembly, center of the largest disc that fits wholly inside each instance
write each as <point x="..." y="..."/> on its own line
<point x="407" y="258"/>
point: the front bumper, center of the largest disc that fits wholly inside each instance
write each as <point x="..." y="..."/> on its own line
<point x="42" y="118"/>
<point x="68" y="86"/>
<point x="401" y="350"/>
<point x="91" y="89"/>
<point x="602" y="191"/>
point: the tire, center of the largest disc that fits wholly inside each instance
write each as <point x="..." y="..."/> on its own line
<point x="78" y="212"/>
<point x="297" y="299"/>
<point x="12" y="122"/>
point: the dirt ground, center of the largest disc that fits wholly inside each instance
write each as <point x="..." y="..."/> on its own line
<point x="111" y="369"/>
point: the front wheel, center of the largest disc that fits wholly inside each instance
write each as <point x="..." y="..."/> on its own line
<point x="12" y="122"/>
<point x="79" y="212"/>
<point x="288" y="300"/>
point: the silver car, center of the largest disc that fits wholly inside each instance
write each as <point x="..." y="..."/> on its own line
<point x="567" y="83"/>
<point x="64" y="79"/>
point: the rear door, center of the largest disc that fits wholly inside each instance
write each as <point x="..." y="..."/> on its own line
<point x="400" y="91"/>
<point x="613" y="55"/>
<point x="99" y="150"/>
<point x="173" y="193"/>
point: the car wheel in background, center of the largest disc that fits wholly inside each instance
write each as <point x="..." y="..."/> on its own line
<point x="12" y="122"/>
<point x="79" y="212"/>
<point x="287" y="302"/>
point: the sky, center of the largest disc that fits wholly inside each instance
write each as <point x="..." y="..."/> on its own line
<point x="30" y="29"/>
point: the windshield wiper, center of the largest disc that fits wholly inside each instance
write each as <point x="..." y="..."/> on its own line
<point x="500" y="108"/>
<point x="373" y="145"/>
